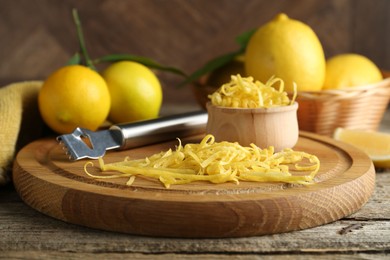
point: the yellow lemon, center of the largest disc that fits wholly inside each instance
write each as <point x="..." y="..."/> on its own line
<point x="74" y="96"/>
<point x="288" y="49"/>
<point x="375" y="144"/>
<point x="350" y="70"/>
<point x="135" y="91"/>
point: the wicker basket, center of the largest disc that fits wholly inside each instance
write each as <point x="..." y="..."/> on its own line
<point x="355" y="108"/>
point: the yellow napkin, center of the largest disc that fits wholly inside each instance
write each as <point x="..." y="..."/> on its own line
<point x="20" y="122"/>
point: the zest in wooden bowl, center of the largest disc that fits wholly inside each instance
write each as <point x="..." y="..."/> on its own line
<point x="276" y="126"/>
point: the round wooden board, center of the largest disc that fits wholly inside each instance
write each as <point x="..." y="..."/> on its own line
<point x="50" y="183"/>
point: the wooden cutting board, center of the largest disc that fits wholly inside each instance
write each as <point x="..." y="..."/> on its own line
<point x="50" y="183"/>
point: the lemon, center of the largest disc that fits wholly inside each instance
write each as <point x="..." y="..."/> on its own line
<point x="375" y="144"/>
<point x="135" y="91"/>
<point x="288" y="49"/>
<point x="74" y="96"/>
<point x="350" y="70"/>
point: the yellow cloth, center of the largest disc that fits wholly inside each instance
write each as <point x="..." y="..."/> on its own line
<point x="20" y="121"/>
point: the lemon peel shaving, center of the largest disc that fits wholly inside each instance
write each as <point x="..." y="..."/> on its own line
<point x="246" y="93"/>
<point x="216" y="162"/>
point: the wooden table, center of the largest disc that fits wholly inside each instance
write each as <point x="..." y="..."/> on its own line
<point x="26" y="233"/>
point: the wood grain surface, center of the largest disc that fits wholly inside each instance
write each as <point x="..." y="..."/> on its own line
<point x="49" y="183"/>
<point x="38" y="36"/>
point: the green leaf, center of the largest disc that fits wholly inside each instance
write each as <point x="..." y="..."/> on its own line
<point x="222" y="60"/>
<point x="143" y="60"/>
<point x="244" y="38"/>
<point x="74" y="60"/>
<point x="210" y="66"/>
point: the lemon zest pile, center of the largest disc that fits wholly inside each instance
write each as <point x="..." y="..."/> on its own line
<point x="216" y="162"/>
<point x="246" y="93"/>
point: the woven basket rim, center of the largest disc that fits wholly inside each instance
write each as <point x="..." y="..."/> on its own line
<point x="382" y="87"/>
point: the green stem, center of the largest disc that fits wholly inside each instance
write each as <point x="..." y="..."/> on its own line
<point x="80" y="36"/>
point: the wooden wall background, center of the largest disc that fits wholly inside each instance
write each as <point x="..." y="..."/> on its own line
<point x="38" y="36"/>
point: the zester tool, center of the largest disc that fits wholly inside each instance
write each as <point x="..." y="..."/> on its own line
<point x="83" y="143"/>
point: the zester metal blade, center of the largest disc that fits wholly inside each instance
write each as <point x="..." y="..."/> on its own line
<point x="83" y="143"/>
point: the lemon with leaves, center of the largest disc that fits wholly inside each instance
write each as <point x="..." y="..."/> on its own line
<point x="288" y="49"/>
<point x="350" y="70"/>
<point x="74" y="96"/>
<point x="135" y="91"/>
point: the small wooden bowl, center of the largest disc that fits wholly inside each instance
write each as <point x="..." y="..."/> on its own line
<point x="277" y="126"/>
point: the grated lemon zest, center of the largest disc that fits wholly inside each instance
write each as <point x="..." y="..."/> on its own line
<point x="246" y="93"/>
<point x="215" y="162"/>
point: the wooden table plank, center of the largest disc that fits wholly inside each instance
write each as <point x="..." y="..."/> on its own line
<point x="137" y="256"/>
<point x="25" y="230"/>
<point x="378" y="207"/>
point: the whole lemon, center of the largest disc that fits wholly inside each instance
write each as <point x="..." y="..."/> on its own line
<point x="350" y="70"/>
<point x="288" y="49"/>
<point x="74" y="96"/>
<point x="135" y="91"/>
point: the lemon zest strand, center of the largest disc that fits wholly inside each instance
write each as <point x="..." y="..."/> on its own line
<point x="215" y="162"/>
<point x="246" y="93"/>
